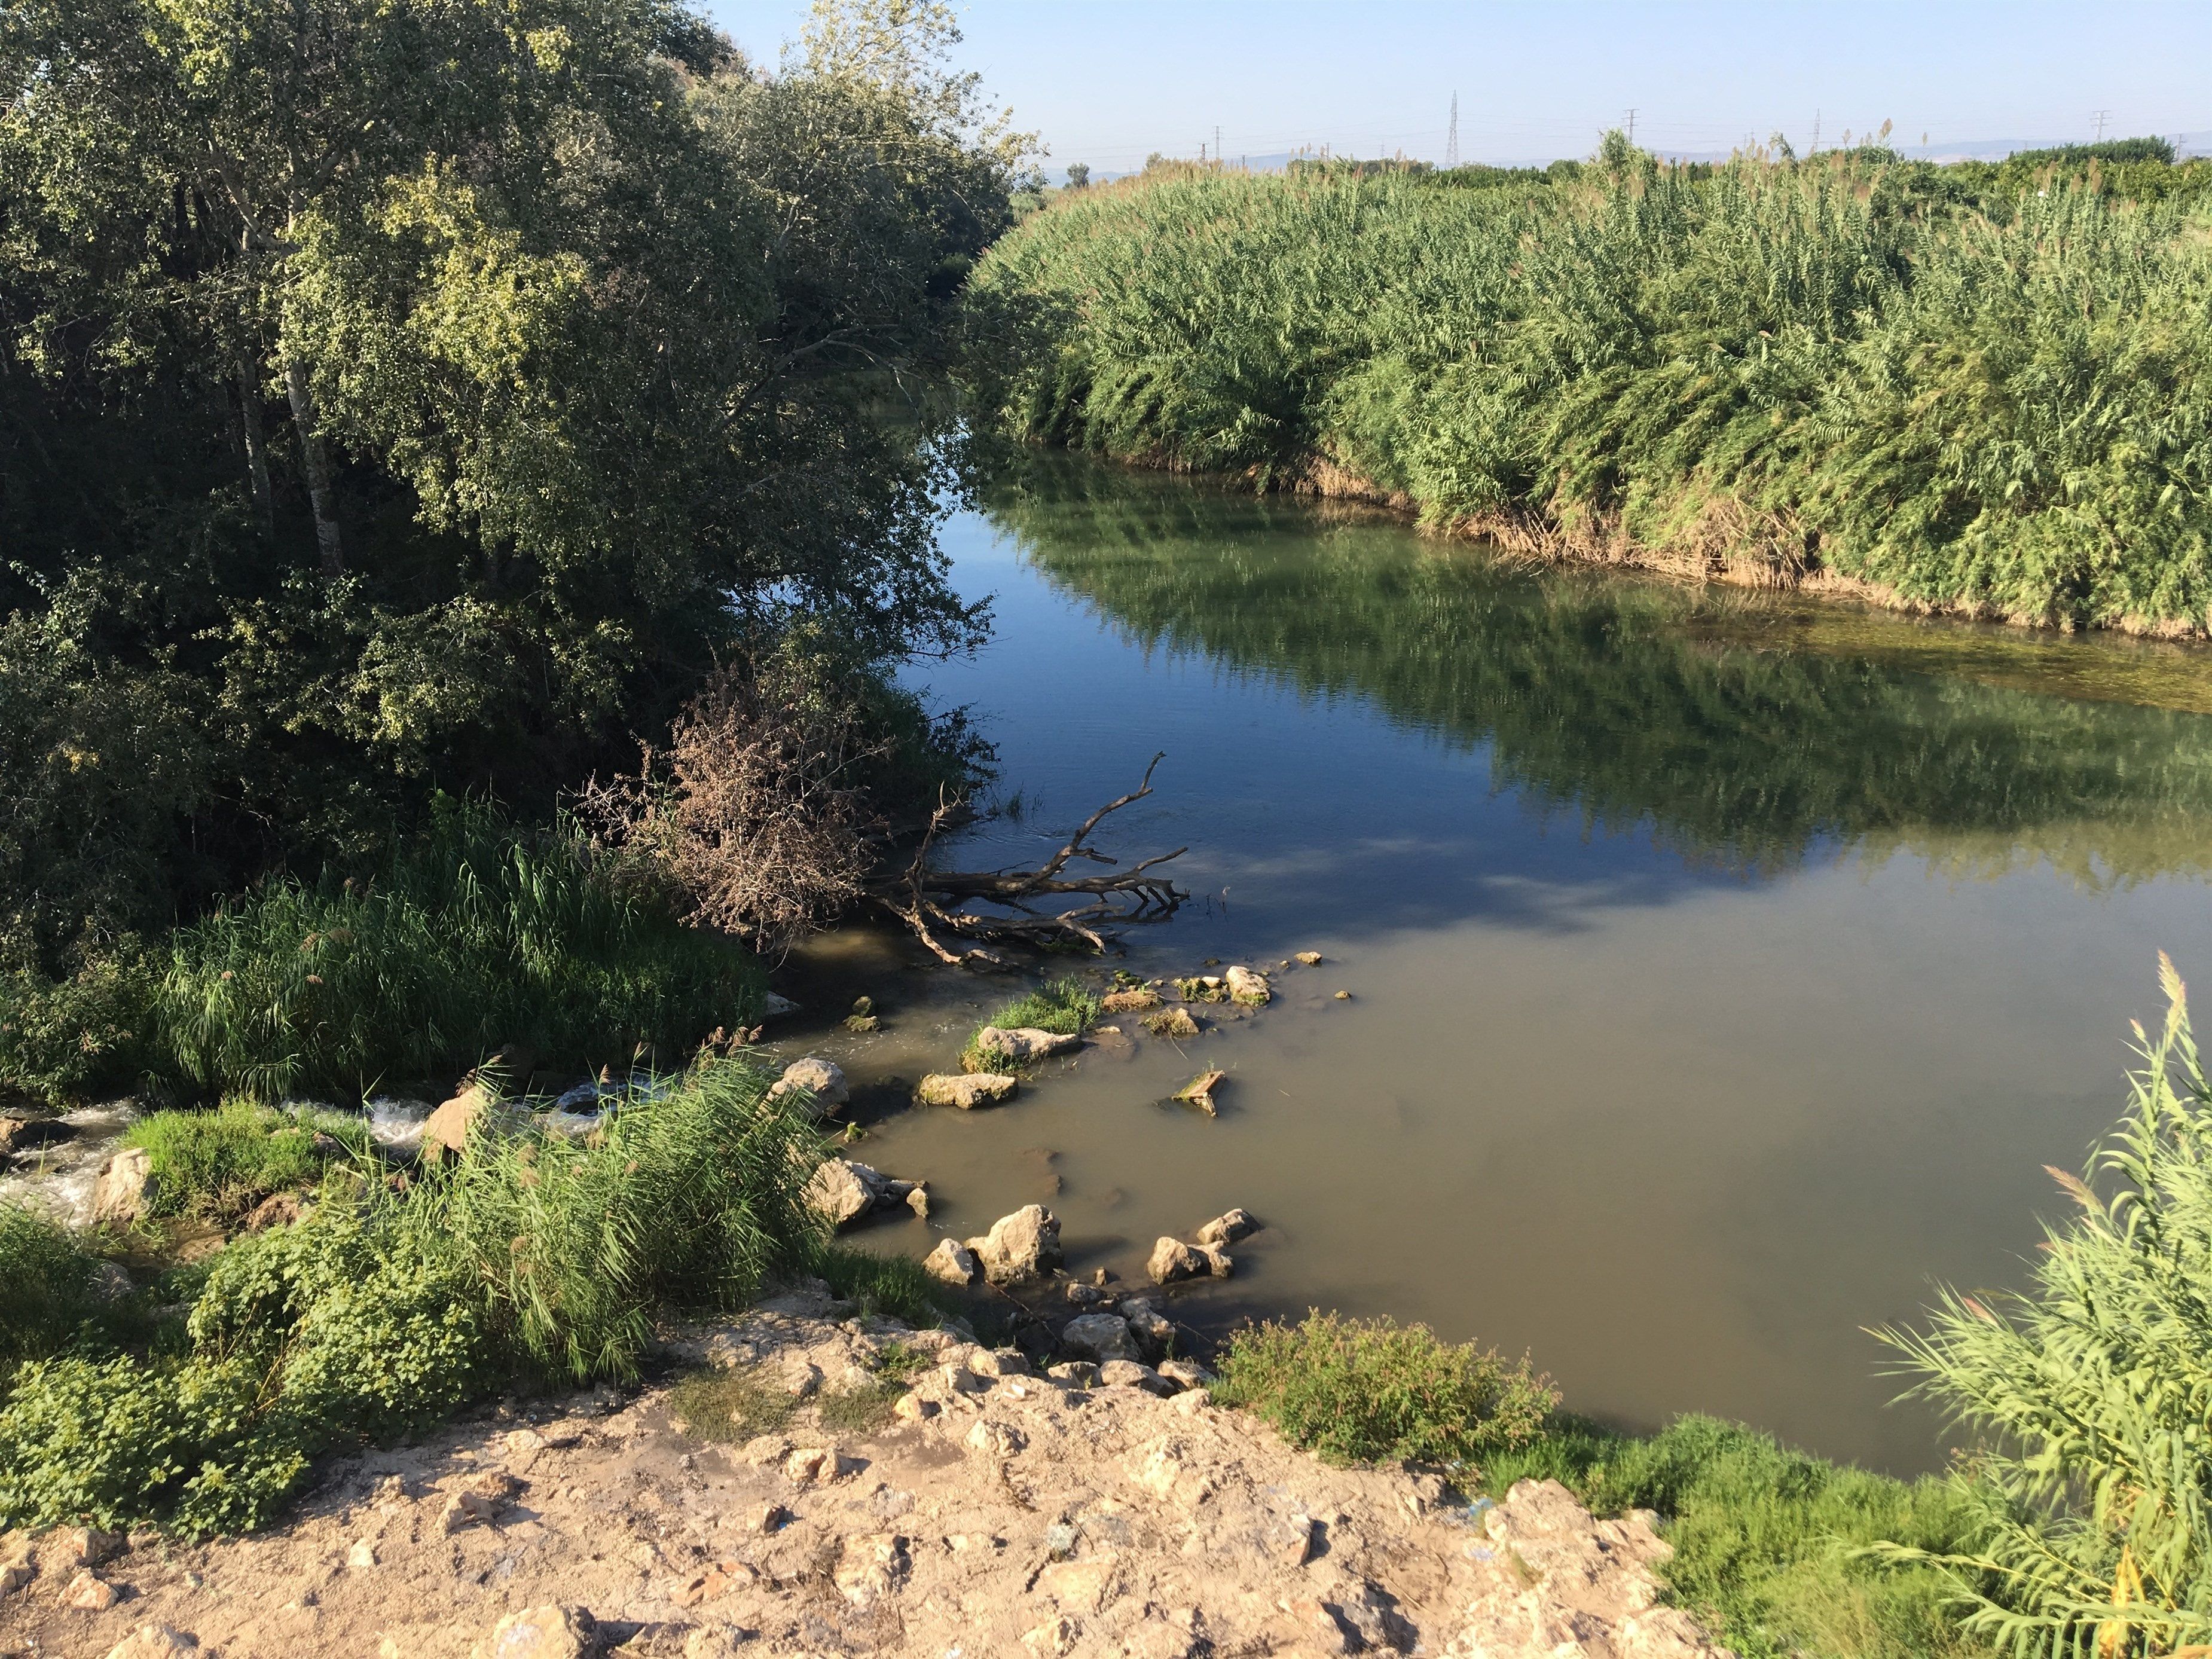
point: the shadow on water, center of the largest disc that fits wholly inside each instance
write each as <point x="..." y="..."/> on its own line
<point x="1749" y="731"/>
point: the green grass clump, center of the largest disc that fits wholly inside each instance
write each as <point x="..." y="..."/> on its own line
<point x="1065" y="1006"/>
<point x="730" y="1405"/>
<point x="46" y="1289"/>
<point x="217" y="1165"/>
<point x="893" y="1286"/>
<point x="480" y="936"/>
<point x="1369" y="1390"/>
<point x="1770" y="1546"/>
<point x="529" y="1258"/>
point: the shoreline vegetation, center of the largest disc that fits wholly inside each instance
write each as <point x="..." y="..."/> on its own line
<point x="1962" y="389"/>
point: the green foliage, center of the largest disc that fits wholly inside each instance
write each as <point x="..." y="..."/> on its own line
<point x="1367" y="1390"/>
<point x="406" y="398"/>
<point x="895" y="1287"/>
<point x="1848" y="362"/>
<point x="217" y="1165"/>
<point x="73" y="1039"/>
<point x="730" y="1404"/>
<point x="1064" y="1007"/>
<point x="47" y="1294"/>
<point x="481" y="936"/>
<point x="532" y="1257"/>
<point x="1772" y="1546"/>
<point x="2089" y="1392"/>
<point x="859" y="1407"/>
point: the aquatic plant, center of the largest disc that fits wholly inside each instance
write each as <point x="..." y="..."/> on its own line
<point x="1065" y="1008"/>
<point x="2090" y="1393"/>
<point x="218" y="1164"/>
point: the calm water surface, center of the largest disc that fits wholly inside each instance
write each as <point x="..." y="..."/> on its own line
<point x="1725" y="969"/>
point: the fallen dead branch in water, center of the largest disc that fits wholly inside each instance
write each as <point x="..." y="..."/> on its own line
<point x="939" y="905"/>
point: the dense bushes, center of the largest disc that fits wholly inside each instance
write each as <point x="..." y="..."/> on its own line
<point x="1361" y="1390"/>
<point x="532" y="1257"/>
<point x="1839" y="362"/>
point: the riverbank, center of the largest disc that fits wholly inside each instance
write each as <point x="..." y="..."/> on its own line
<point x="1845" y="372"/>
<point x="991" y="1511"/>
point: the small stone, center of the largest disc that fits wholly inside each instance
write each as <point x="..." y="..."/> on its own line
<point x="1054" y="1639"/>
<point x="79" y="1546"/>
<point x="862" y="1025"/>
<point x="362" y="1556"/>
<point x="1344" y="996"/>
<point x="14" y="1575"/>
<point x="870" y="1567"/>
<point x="478" y="1501"/>
<point x="863" y="1006"/>
<point x="773" y="1517"/>
<point x="1128" y="1374"/>
<point x="89" y="1593"/>
<point x="967" y="1093"/>
<point x="917" y="1199"/>
<point x="999" y="1362"/>
<point x="910" y="1408"/>
<point x="1217" y="1262"/>
<point x="1172" y="1260"/>
<point x="1099" y="1336"/>
<point x="765" y="1449"/>
<point x="1227" y="1229"/>
<point x="1076" y="1374"/>
<point x="547" y="1632"/>
<point x="1082" y="1295"/>
<point x="995" y="1439"/>
<point x="1152" y="1330"/>
<point x="960" y="1380"/>
<point x="1310" y="958"/>
<point x="1185" y="1374"/>
<point x="810" y="1464"/>
<point x="155" y="1642"/>
<point x="953" y="1262"/>
<point x="822" y="1081"/>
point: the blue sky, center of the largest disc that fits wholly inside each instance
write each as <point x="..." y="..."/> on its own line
<point x="1107" y="81"/>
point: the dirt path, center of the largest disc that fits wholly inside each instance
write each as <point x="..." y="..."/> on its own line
<point x="1007" y="1516"/>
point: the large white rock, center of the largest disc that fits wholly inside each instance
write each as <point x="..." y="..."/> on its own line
<point x="126" y="1189"/>
<point x="843" y="1192"/>
<point x="1248" y="986"/>
<point x="1228" y="1229"/>
<point x="1171" y="1259"/>
<point x="1022" y="1045"/>
<point x="1100" y="1336"/>
<point x="547" y="1632"/>
<point x="821" y="1080"/>
<point x="1022" y="1246"/>
<point x="981" y="1089"/>
<point x="953" y="1262"/>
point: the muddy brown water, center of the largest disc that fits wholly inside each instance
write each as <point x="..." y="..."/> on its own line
<point x="1724" y="967"/>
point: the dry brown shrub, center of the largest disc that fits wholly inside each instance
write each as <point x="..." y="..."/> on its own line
<point x="755" y="810"/>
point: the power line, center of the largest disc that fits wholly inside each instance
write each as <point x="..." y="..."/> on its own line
<point x="1451" y="138"/>
<point x="2101" y="116"/>
<point x="1632" y="123"/>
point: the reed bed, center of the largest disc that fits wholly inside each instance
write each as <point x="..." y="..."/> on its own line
<point x="1994" y="405"/>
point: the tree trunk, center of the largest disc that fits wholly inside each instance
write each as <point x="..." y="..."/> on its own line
<point x="257" y="454"/>
<point x="327" y="545"/>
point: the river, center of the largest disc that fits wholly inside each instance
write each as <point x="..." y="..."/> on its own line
<point x="1725" y="967"/>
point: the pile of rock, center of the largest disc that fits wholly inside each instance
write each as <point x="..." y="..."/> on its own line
<point x="1245" y="985"/>
<point x="1019" y="1249"/>
<point x="1173" y="1260"/>
<point x="844" y="1191"/>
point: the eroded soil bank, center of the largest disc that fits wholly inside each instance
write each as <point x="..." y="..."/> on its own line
<point x="993" y="1514"/>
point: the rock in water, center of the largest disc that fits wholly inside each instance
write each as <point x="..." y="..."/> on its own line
<point x="1152" y="1330"/>
<point x="1172" y="1260"/>
<point x="1248" y="986"/>
<point x="446" y="1133"/>
<point x="126" y="1189"/>
<point x="1135" y="1000"/>
<point x="1172" y="1023"/>
<point x="981" y="1088"/>
<point x="1228" y="1228"/>
<point x="1099" y="1336"/>
<point x="1023" y="1246"/>
<point x="1310" y="958"/>
<point x="843" y="1192"/>
<point x="1199" y="1092"/>
<point x="821" y="1080"/>
<point x="953" y="1262"/>
<point x="1021" y="1045"/>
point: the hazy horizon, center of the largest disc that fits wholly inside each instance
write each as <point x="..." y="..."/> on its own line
<point x="1109" y="82"/>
